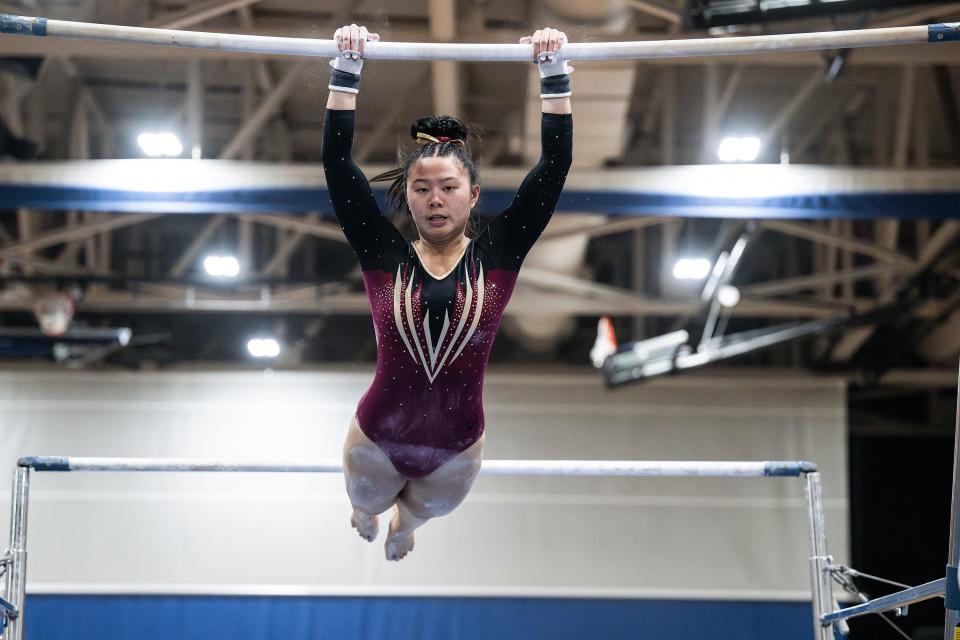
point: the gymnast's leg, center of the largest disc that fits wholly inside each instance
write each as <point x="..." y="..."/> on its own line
<point x="372" y="481"/>
<point x="431" y="497"/>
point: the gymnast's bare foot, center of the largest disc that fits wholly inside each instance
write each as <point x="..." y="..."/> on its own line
<point x="398" y="543"/>
<point x="366" y="525"/>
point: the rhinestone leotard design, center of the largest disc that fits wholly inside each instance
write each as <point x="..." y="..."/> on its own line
<point x="435" y="331"/>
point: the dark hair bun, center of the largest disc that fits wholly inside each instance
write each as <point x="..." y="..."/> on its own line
<point x="438" y="126"/>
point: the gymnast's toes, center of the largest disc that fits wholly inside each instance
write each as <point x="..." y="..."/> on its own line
<point x="397" y="547"/>
<point x="366" y="525"/>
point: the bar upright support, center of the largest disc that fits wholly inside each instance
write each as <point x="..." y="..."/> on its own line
<point x="820" y="585"/>
<point x="16" y="579"/>
<point x="952" y="588"/>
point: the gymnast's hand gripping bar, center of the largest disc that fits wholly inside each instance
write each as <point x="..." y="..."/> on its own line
<point x="24" y="25"/>
<point x="595" y="468"/>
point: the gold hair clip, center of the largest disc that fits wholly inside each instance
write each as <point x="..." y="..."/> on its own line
<point x="426" y="138"/>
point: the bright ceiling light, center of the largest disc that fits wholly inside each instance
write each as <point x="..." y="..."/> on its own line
<point x="728" y="295"/>
<point x="739" y="149"/>
<point x="221" y="266"/>
<point x="158" y="145"/>
<point x="691" y="269"/>
<point x="263" y="347"/>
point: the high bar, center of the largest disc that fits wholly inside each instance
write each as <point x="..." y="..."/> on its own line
<point x="25" y="25"/>
<point x="592" y="468"/>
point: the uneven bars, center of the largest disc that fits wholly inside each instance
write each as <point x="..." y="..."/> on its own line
<point x="594" y="468"/>
<point x="24" y="25"/>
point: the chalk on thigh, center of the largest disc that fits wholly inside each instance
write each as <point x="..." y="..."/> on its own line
<point x="443" y="490"/>
<point x="372" y="481"/>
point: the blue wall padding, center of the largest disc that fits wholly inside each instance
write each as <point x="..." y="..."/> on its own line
<point x="356" y="618"/>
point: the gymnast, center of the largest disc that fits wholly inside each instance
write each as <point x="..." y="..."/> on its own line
<point x="416" y="440"/>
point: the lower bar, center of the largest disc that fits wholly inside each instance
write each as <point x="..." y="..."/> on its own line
<point x="769" y="468"/>
<point x="886" y="603"/>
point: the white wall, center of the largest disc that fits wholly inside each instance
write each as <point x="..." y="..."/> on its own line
<point x="229" y="533"/>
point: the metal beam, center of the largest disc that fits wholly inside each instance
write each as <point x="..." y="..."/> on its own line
<point x="50" y="268"/>
<point x="196" y="14"/>
<point x="850" y="244"/>
<point x="828" y="116"/>
<point x="852" y="341"/>
<point x="814" y="81"/>
<point x="250" y="129"/>
<point x="77" y="232"/>
<point x="941" y="11"/>
<point x="945" y="235"/>
<point x="264" y="77"/>
<point x="265" y="110"/>
<point x="668" y="117"/>
<point x="579" y="286"/>
<point x="286" y="249"/>
<point x="178" y="298"/>
<point x="326" y="230"/>
<point x="196" y="245"/>
<point x="619" y="225"/>
<point x="709" y="121"/>
<point x="729" y="90"/>
<point x="68" y="255"/>
<point x="904" y="117"/>
<point x="651" y="9"/>
<point x="194" y="109"/>
<point x="24" y="235"/>
<point x="262" y="70"/>
<point x="888" y="231"/>
<point x="802" y="283"/>
<point x="445" y="79"/>
<point x="386" y="124"/>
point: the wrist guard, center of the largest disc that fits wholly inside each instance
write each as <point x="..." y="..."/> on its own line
<point x="554" y="76"/>
<point x="345" y="75"/>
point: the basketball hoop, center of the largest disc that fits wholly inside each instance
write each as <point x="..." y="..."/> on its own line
<point x="54" y="311"/>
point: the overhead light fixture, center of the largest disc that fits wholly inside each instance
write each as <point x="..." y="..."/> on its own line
<point x="221" y="266"/>
<point x="263" y="347"/>
<point x="728" y="295"/>
<point x="739" y="149"/>
<point x="691" y="269"/>
<point x="158" y="145"/>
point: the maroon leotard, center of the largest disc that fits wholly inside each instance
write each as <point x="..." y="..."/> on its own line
<point x="434" y="334"/>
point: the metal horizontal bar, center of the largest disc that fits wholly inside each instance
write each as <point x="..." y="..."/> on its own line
<point x="886" y="603"/>
<point x="23" y="25"/>
<point x="594" y="468"/>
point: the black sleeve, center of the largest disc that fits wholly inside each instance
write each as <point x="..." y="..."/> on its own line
<point x="373" y="237"/>
<point x="510" y="235"/>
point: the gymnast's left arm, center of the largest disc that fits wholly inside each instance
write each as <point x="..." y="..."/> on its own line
<point x="513" y="233"/>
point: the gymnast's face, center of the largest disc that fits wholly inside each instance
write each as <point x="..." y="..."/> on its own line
<point x="440" y="198"/>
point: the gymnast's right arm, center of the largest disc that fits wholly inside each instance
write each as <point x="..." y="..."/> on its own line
<point x="371" y="235"/>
